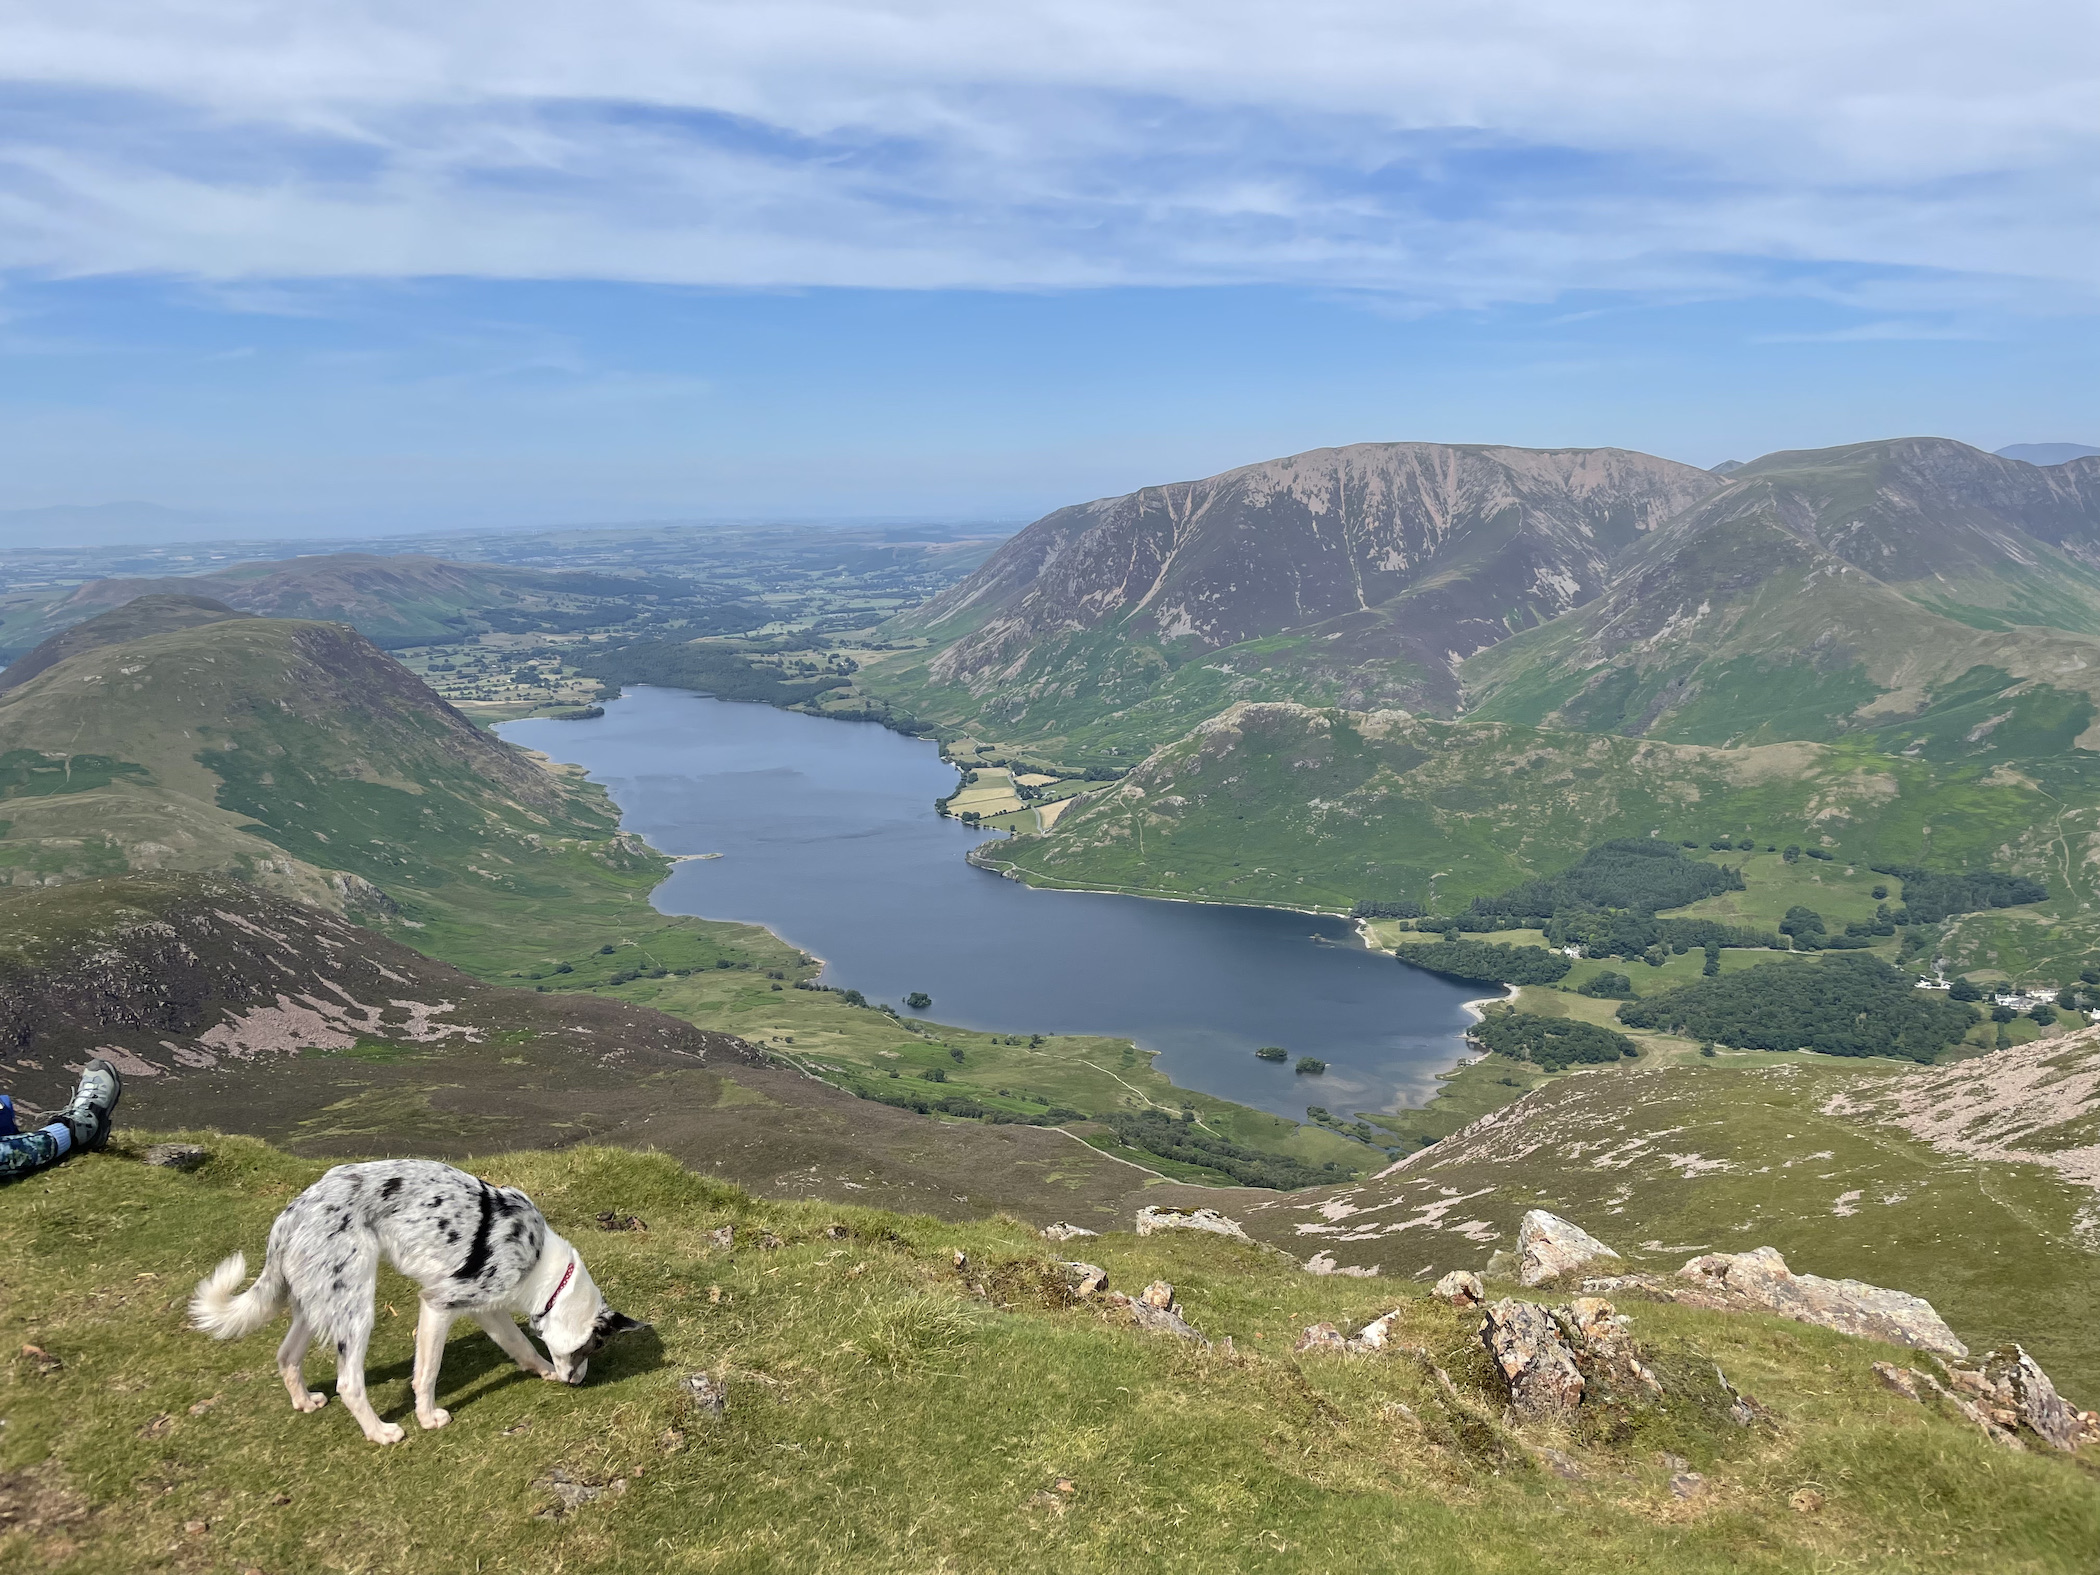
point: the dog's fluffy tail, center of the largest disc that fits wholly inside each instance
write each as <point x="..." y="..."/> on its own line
<point x="225" y="1312"/>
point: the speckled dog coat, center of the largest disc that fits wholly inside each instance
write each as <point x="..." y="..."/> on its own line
<point x="474" y="1250"/>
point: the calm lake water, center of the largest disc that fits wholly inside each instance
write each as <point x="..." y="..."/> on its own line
<point x="829" y="838"/>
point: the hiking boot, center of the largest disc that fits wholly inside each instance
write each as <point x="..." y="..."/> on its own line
<point x="94" y="1103"/>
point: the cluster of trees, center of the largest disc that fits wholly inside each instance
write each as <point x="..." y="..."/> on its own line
<point x="1607" y="986"/>
<point x="1636" y="874"/>
<point x="1632" y="935"/>
<point x="1479" y="962"/>
<point x="1846" y="1005"/>
<point x="1929" y="897"/>
<point x="1554" y="1043"/>
<point x="1402" y="909"/>
<point x="1805" y="927"/>
<point x="1180" y="1139"/>
<point x="904" y="1097"/>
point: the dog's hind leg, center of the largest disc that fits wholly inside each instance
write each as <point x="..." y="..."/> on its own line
<point x="432" y="1325"/>
<point x="291" y="1362"/>
<point x="353" y="1339"/>
<point x="503" y="1329"/>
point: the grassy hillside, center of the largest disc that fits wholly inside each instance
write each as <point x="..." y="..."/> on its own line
<point x="1286" y="804"/>
<point x="1676" y="1154"/>
<point x="885" y="1412"/>
<point x="1864" y="588"/>
<point x="229" y="1008"/>
<point x="297" y="755"/>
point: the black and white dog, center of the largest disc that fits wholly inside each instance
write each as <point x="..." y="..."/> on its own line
<point x="474" y="1249"/>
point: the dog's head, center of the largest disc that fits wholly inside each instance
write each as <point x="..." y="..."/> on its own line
<point x="577" y="1323"/>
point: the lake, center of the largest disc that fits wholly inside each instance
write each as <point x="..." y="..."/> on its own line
<point x="828" y="837"/>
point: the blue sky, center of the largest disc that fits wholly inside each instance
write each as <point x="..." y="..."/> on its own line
<point x="363" y="267"/>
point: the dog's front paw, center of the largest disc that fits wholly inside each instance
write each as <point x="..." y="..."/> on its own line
<point x="438" y="1417"/>
<point x="385" y="1433"/>
<point x="310" y="1401"/>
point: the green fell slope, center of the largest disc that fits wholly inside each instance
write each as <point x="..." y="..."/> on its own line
<point x="1317" y="808"/>
<point x="1842" y="591"/>
<point x="298" y="755"/>
<point x="888" y="1410"/>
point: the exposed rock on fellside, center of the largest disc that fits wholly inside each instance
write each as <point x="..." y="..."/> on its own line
<point x="1549" y="1248"/>
<point x="1461" y="1288"/>
<point x="1151" y="1220"/>
<point x="1544" y="1382"/>
<point x="1155" y="1308"/>
<point x="1597" y="1333"/>
<point x="1762" y="1280"/>
<point x="1063" y="1232"/>
<point x="2012" y="1381"/>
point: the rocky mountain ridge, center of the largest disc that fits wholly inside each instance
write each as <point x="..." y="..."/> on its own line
<point x="1424" y="552"/>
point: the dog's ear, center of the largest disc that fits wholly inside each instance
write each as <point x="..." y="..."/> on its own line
<point x="611" y="1323"/>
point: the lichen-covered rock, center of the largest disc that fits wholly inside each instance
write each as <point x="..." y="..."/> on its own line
<point x="1151" y="1220"/>
<point x="1544" y="1382"/>
<point x="1549" y="1247"/>
<point x="1086" y="1279"/>
<point x="1063" y="1232"/>
<point x="176" y="1156"/>
<point x="1322" y="1337"/>
<point x="1461" y="1288"/>
<point x="1604" y="1351"/>
<point x="1156" y="1309"/>
<point x="1375" y="1336"/>
<point x="2018" y="1384"/>
<point x="1761" y="1280"/>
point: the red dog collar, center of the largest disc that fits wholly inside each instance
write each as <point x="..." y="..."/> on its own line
<point x="566" y="1275"/>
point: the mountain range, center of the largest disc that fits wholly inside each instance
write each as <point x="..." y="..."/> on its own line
<point x="1345" y="673"/>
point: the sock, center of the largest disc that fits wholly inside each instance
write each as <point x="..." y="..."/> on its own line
<point x="64" y="1135"/>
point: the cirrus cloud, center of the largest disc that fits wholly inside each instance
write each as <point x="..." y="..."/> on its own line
<point x="1454" y="154"/>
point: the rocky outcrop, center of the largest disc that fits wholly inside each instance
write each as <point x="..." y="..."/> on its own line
<point x="1761" y="1280"/>
<point x="1086" y="1279"/>
<point x="1151" y="1221"/>
<point x="1597" y="1333"/>
<point x="1461" y="1288"/>
<point x="1550" y="1248"/>
<point x="2015" y="1391"/>
<point x="1526" y="1343"/>
<point x="1063" y="1232"/>
<point x="1155" y="1309"/>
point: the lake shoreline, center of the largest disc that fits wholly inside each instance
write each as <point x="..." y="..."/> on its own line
<point x="833" y="849"/>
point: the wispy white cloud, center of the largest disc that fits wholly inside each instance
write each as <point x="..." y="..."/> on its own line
<point x="1451" y="153"/>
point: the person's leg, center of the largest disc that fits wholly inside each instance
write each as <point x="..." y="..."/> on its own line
<point x="26" y="1153"/>
<point x="94" y="1105"/>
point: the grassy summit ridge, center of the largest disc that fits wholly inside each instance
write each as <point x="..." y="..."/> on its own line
<point x="885" y="1412"/>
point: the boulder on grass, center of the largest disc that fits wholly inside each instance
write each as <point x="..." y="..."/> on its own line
<point x="1550" y="1248"/>
<point x="1461" y="1288"/>
<point x="1761" y="1280"/>
<point x="1151" y="1220"/>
